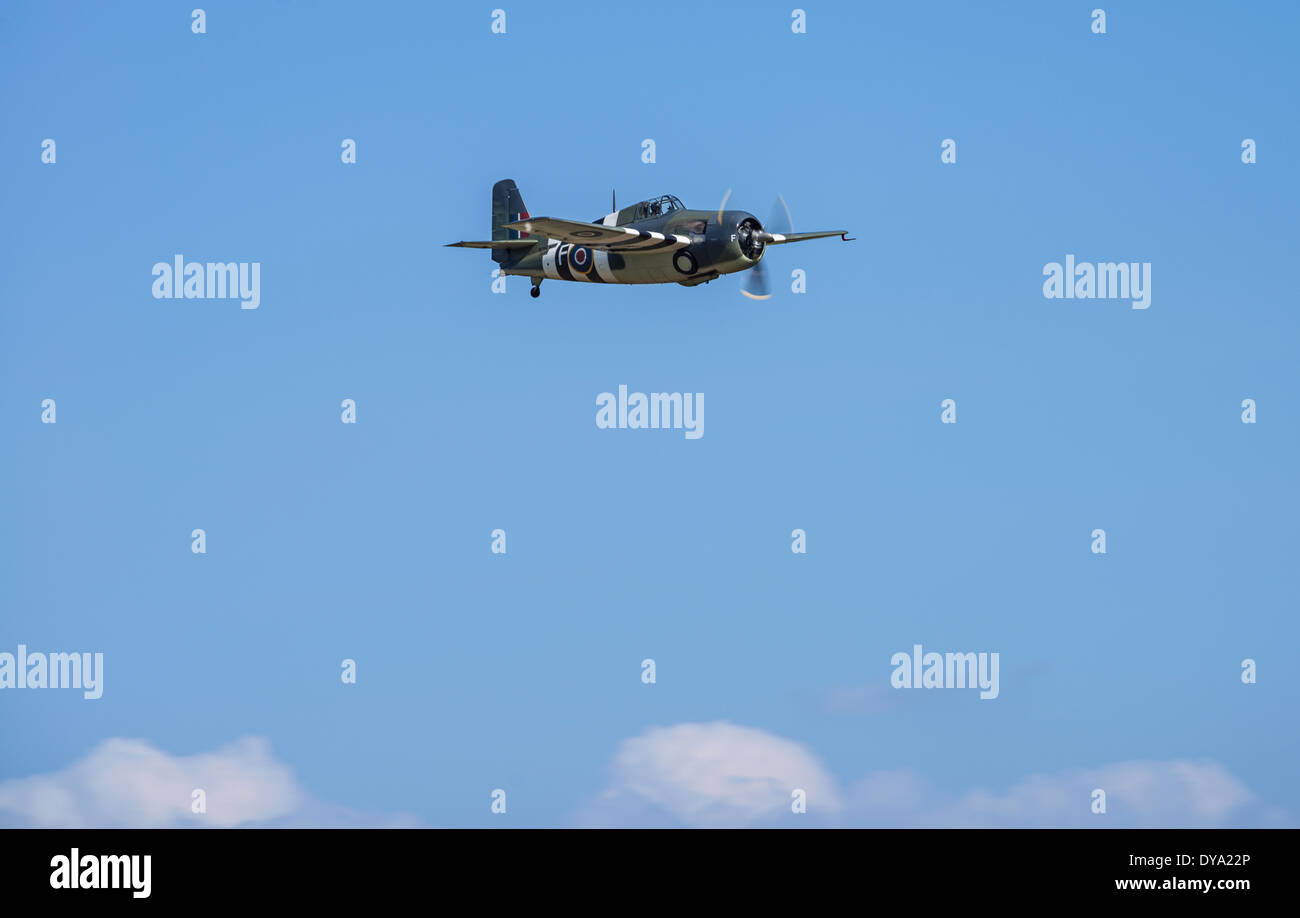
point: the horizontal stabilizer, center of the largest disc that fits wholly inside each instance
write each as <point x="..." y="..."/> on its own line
<point x="497" y="244"/>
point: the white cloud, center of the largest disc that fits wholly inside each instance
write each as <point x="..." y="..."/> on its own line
<point x="721" y="774"/>
<point x="129" y="783"/>
<point x="1139" y="794"/>
<point x="717" y="774"/>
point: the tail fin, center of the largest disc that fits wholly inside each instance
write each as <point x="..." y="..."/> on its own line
<point x="507" y="207"/>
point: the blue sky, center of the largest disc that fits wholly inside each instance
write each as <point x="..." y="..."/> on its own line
<point x="476" y="411"/>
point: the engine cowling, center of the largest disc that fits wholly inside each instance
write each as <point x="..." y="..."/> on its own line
<point x="751" y="238"/>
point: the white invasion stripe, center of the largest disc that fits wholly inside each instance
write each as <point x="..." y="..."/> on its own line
<point x="602" y="266"/>
<point x="611" y="219"/>
<point x="548" y="260"/>
<point x="777" y="237"/>
<point x="682" y="240"/>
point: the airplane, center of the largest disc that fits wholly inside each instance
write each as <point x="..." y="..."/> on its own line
<point x="657" y="241"/>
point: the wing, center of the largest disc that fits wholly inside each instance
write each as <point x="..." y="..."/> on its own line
<point x="495" y="244"/>
<point x="599" y="236"/>
<point x="780" y="238"/>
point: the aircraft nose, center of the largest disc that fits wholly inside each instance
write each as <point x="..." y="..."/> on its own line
<point x="750" y="236"/>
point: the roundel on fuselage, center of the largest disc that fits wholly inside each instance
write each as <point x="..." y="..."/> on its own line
<point x="580" y="259"/>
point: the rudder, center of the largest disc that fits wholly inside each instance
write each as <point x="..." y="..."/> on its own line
<point x="507" y="207"/>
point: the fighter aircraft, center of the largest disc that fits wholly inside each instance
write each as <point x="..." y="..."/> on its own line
<point x="657" y="241"/>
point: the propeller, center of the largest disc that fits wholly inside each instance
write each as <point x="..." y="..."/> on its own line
<point x="753" y="239"/>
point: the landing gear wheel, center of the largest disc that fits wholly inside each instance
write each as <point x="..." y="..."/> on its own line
<point x="535" y="292"/>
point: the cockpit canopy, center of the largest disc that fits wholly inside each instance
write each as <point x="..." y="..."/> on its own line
<point x="664" y="204"/>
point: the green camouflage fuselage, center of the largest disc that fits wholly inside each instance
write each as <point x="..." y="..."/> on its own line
<point x="714" y="251"/>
